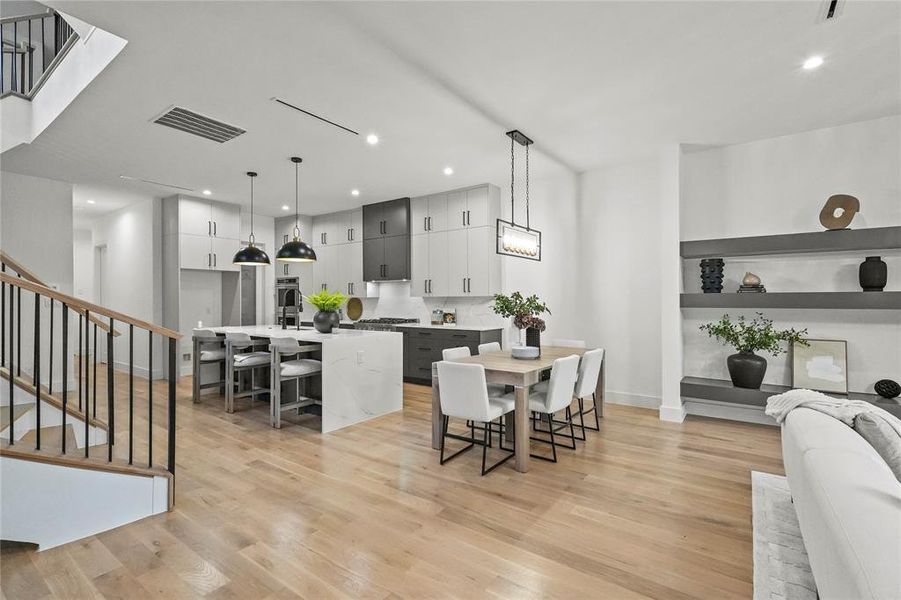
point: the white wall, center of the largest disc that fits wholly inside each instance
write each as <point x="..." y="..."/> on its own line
<point x="36" y="230"/>
<point x="131" y="273"/>
<point x="778" y="186"/>
<point x="83" y="264"/>
<point x="264" y="235"/>
<point x="619" y="283"/>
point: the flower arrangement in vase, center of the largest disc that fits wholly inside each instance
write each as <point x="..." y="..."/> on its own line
<point x="525" y="314"/>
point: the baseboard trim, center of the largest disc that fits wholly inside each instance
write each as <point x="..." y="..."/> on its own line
<point x="629" y="399"/>
<point x="673" y="414"/>
<point x="725" y="410"/>
<point x="139" y="371"/>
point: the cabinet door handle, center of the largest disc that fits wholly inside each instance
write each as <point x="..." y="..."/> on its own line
<point x="469" y="285"/>
<point x="215" y="259"/>
<point x="430" y="286"/>
<point x="209" y="228"/>
<point x="468" y="222"/>
<point x="214" y="228"/>
<point x="209" y="260"/>
<point x="353" y="233"/>
<point x="463" y="214"/>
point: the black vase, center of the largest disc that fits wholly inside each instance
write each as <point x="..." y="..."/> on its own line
<point x="873" y="274"/>
<point x="325" y="320"/>
<point x="746" y="370"/>
<point x="712" y="275"/>
<point x="533" y="338"/>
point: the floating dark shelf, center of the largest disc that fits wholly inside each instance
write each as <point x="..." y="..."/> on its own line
<point x="822" y="300"/>
<point x="721" y="390"/>
<point x="845" y="240"/>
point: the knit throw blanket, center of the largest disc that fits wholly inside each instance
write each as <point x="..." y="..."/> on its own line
<point x="845" y="411"/>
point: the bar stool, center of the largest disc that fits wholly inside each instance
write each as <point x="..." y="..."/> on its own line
<point x="464" y="395"/>
<point x="298" y="369"/>
<point x="238" y="363"/>
<point x="208" y="349"/>
<point x="559" y="396"/>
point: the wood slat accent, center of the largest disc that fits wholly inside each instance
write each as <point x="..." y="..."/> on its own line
<point x="95" y="309"/>
<point x="28" y="275"/>
<point x="52" y="399"/>
<point x="80" y="462"/>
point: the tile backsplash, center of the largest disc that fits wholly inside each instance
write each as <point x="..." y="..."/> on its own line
<point x="395" y="301"/>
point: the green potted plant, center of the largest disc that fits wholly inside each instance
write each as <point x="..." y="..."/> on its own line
<point x="746" y="368"/>
<point x="525" y="314"/>
<point x="327" y="304"/>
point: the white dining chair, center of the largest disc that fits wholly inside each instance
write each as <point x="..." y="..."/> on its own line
<point x="589" y="374"/>
<point x="489" y="347"/>
<point x="557" y="397"/>
<point x="238" y="363"/>
<point x="297" y="369"/>
<point x="455" y="353"/>
<point x="464" y="395"/>
<point x="209" y="349"/>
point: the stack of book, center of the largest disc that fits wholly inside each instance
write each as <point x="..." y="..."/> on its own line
<point x="751" y="289"/>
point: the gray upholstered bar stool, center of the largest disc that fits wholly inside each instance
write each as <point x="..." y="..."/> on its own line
<point x="238" y="363"/>
<point x="299" y="369"/>
<point x="209" y="349"/>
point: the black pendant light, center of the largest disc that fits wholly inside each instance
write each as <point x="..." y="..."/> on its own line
<point x="296" y="250"/>
<point x="250" y="255"/>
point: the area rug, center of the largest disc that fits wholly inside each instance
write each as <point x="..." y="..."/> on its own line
<point x="781" y="568"/>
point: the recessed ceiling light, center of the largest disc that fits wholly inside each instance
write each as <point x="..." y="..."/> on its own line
<point x="448" y="171"/>
<point x="207" y="192"/>
<point x="354" y="192"/>
<point x="92" y="202"/>
<point x="285" y="207"/>
<point x="372" y="139"/>
<point x="812" y="63"/>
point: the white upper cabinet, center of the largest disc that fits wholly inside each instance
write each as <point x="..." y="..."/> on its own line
<point x="354" y="226"/>
<point x="452" y="250"/>
<point x="195" y="216"/>
<point x="226" y="220"/>
<point x="350" y="268"/>
<point x="338" y="228"/>
<point x="322" y="226"/>
<point x="195" y="251"/>
<point x="224" y="250"/>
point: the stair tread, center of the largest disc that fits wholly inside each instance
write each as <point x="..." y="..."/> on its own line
<point x="78" y="460"/>
<point x="18" y="411"/>
<point x="26" y="382"/>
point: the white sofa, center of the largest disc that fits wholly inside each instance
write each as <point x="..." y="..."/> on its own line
<point x="849" y="507"/>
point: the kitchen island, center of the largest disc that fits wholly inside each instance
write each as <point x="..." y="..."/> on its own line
<point x="362" y="371"/>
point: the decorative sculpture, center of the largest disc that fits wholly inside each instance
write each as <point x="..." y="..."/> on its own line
<point x="848" y="207"/>
<point x="751" y="283"/>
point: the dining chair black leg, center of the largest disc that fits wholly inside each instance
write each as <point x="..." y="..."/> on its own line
<point x="485" y="437"/>
<point x="443" y="437"/>
<point x="572" y="434"/>
<point x="582" y="418"/>
<point x="550" y="425"/>
<point x="594" y="403"/>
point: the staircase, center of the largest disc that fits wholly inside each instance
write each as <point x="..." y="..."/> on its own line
<point x="71" y="426"/>
<point x="48" y="59"/>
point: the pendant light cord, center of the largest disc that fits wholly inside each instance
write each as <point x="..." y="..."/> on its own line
<point x="251" y="211"/>
<point x="527" y="186"/>
<point x="512" y="177"/>
<point x="296" y="202"/>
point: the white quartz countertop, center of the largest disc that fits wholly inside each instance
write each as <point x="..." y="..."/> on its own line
<point x="305" y="334"/>
<point x="452" y="327"/>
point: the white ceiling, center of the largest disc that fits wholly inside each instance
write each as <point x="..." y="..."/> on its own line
<point x="440" y="82"/>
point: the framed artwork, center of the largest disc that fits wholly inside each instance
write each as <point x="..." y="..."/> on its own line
<point x="821" y="366"/>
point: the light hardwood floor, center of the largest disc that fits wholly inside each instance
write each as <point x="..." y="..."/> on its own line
<point x="644" y="509"/>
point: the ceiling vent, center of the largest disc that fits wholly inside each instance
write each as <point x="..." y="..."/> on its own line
<point x="197" y="124"/>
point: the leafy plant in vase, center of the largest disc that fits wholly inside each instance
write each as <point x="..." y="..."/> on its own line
<point x="746" y="368"/>
<point x="525" y="314"/>
<point x="327" y="304"/>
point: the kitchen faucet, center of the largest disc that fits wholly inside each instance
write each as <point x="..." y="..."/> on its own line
<point x="285" y="311"/>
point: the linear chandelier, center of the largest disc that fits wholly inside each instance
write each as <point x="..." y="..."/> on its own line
<point x="512" y="239"/>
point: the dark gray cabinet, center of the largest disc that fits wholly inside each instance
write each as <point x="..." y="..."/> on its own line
<point x="423" y="346"/>
<point x="386" y="240"/>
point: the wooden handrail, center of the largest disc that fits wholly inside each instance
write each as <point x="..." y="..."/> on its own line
<point x="83" y="305"/>
<point x="28" y="275"/>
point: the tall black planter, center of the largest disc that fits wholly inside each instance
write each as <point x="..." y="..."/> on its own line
<point x="873" y="274"/>
<point x="712" y="275"/>
<point x="533" y="338"/>
<point x="746" y="370"/>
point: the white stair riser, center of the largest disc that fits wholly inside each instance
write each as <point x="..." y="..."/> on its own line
<point x="50" y="417"/>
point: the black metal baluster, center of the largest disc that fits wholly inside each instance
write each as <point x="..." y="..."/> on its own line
<point x="87" y="382"/>
<point x="43" y="45"/>
<point x="18" y="331"/>
<point x="30" y="62"/>
<point x="50" y="355"/>
<point x="80" y="363"/>
<point x="13" y="84"/>
<point x="149" y="398"/>
<point x="12" y="357"/>
<point x="3" y="298"/>
<point x="37" y="371"/>
<point x="110" y="404"/>
<point x="131" y="391"/>
<point x="64" y="315"/>
<point x="94" y="389"/>
<point x="172" y="408"/>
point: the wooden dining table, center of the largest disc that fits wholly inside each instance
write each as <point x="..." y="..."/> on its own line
<point x="502" y="368"/>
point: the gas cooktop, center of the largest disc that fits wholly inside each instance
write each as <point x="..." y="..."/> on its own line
<point x="382" y="323"/>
